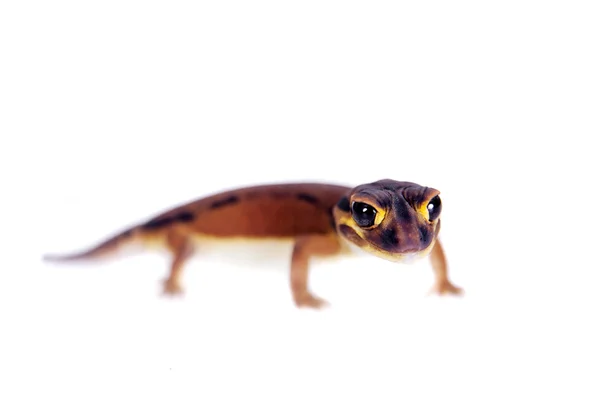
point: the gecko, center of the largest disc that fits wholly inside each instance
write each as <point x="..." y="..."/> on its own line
<point x="394" y="220"/>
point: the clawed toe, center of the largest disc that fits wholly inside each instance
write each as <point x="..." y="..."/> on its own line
<point x="446" y="287"/>
<point x="307" y="300"/>
<point x="172" y="288"/>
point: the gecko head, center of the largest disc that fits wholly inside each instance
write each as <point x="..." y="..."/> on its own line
<point x="397" y="221"/>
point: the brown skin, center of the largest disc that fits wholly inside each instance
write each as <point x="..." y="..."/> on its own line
<point x="390" y="219"/>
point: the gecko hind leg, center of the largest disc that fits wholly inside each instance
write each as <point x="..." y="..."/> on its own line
<point x="304" y="248"/>
<point x="181" y="248"/>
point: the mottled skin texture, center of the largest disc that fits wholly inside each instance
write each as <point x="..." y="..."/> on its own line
<point x="389" y="219"/>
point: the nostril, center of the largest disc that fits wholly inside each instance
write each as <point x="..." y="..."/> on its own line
<point x="424" y="234"/>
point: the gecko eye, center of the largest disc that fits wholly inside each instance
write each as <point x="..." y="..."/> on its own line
<point x="435" y="208"/>
<point x="363" y="214"/>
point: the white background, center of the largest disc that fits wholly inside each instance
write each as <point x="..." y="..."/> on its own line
<point x="112" y="111"/>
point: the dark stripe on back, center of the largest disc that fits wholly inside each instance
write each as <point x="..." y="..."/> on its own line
<point x="184" y="216"/>
<point x="308" y="198"/>
<point x="224" y="202"/>
<point x="157" y="223"/>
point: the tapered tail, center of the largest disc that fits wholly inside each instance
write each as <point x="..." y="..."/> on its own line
<point x="106" y="248"/>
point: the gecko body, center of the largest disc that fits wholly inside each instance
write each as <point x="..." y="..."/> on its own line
<point x="393" y="220"/>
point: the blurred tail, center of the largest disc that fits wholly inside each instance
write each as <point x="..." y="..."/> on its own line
<point x="106" y="248"/>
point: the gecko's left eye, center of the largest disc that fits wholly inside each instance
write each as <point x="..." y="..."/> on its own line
<point x="434" y="208"/>
<point x="363" y="214"/>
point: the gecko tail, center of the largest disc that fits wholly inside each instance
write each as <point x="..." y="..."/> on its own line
<point x="106" y="248"/>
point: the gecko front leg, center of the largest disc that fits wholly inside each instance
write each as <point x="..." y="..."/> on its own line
<point x="442" y="284"/>
<point x="304" y="248"/>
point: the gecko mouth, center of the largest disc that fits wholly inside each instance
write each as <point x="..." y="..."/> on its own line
<point x="389" y="254"/>
<point x="402" y="253"/>
<point x="402" y="256"/>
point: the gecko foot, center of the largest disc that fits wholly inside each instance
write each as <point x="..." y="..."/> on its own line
<point x="446" y="287"/>
<point x="172" y="288"/>
<point x="309" y="301"/>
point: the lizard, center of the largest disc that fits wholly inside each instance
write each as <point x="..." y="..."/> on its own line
<point x="393" y="220"/>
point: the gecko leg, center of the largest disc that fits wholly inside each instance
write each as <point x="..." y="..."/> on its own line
<point x="181" y="248"/>
<point x="442" y="284"/>
<point x="304" y="248"/>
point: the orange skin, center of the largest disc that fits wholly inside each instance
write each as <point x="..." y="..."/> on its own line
<point x="389" y="219"/>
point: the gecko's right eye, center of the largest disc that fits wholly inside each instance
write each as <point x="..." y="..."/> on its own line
<point x="363" y="214"/>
